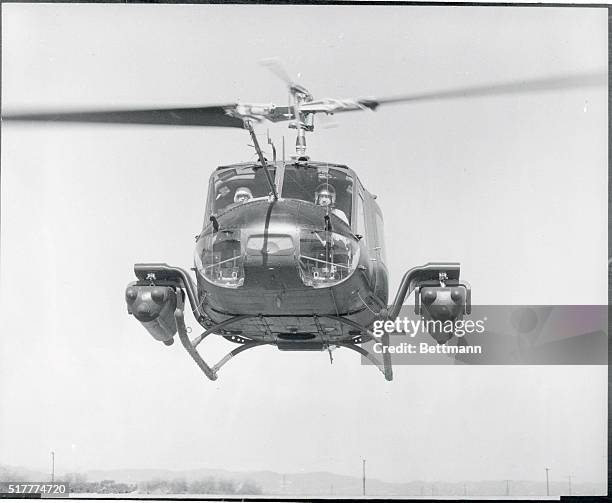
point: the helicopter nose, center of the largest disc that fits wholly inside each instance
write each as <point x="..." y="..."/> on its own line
<point x="284" y="239"/>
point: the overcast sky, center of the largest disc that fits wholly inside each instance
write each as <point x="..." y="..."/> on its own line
<point x="513" y="187"/>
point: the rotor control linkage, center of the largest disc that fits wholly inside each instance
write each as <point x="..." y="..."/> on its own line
<point x="262" y="159"/>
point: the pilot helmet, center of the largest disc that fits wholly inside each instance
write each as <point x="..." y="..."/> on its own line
<point x="242" y="195"/>
<point x="326" y="191"/>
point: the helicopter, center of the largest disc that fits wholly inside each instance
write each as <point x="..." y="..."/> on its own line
<point x="291" y="253"/>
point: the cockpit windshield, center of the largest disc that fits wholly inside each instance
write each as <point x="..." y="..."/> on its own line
<point x="320" y="185"/>
<point x="237" y="185"/>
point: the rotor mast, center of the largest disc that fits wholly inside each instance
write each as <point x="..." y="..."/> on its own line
<point x="304" y="121"/>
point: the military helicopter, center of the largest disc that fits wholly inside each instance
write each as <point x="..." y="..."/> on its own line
<point x="291" y="252"/>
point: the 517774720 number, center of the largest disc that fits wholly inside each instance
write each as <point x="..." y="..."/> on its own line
<point x="45" y="489"/>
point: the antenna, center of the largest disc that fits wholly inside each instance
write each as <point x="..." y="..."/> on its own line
<point x="270" y="142"/>
<point x="364" y="476"/>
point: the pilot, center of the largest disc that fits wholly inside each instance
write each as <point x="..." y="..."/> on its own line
<point x="326" y="196"/>
<point x="242" y="195"/>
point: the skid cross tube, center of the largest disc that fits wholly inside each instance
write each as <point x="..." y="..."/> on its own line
<point x="229" y="321"/>
<point x="236" y="351"/>
<point x="210" y="372"/>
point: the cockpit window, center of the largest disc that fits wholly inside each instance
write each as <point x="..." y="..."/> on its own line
<point x="234" y="186"/>
<point x="320" y="185"/>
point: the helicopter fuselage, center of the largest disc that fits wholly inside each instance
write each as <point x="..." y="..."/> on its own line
<point x="300" y="267"/>
<point x="289" y="263"/>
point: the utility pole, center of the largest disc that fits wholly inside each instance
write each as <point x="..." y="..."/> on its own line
<point x="507" y="488"/>
<point x="569" y="477"/>
<point x="52" y="466"/>
<point x="464" y="489"/>
<point x="363" y="476"/>
<point x="547" y="487"/>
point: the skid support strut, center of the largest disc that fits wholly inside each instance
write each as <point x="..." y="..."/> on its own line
<point x="367" y="335"/>
<point x="190" y="346"/>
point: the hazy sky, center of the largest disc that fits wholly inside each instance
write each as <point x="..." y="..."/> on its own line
<point x="515" y="188"/>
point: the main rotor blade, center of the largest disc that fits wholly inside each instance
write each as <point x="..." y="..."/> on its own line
<point x="216" y="116"/>
<point x="504" y="88"/>
<point x="276" y="66"/>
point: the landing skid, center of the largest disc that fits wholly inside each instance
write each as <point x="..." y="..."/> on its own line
<point x="211" y="372"/>
<point x="160" y="281"/>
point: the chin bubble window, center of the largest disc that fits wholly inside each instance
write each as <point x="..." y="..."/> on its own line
<point x="326" y="258"/>
<point x="219" y="259"/>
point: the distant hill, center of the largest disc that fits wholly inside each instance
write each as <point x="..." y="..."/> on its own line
<point x="324" y="483"/>
<point x="17" y="473"/>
